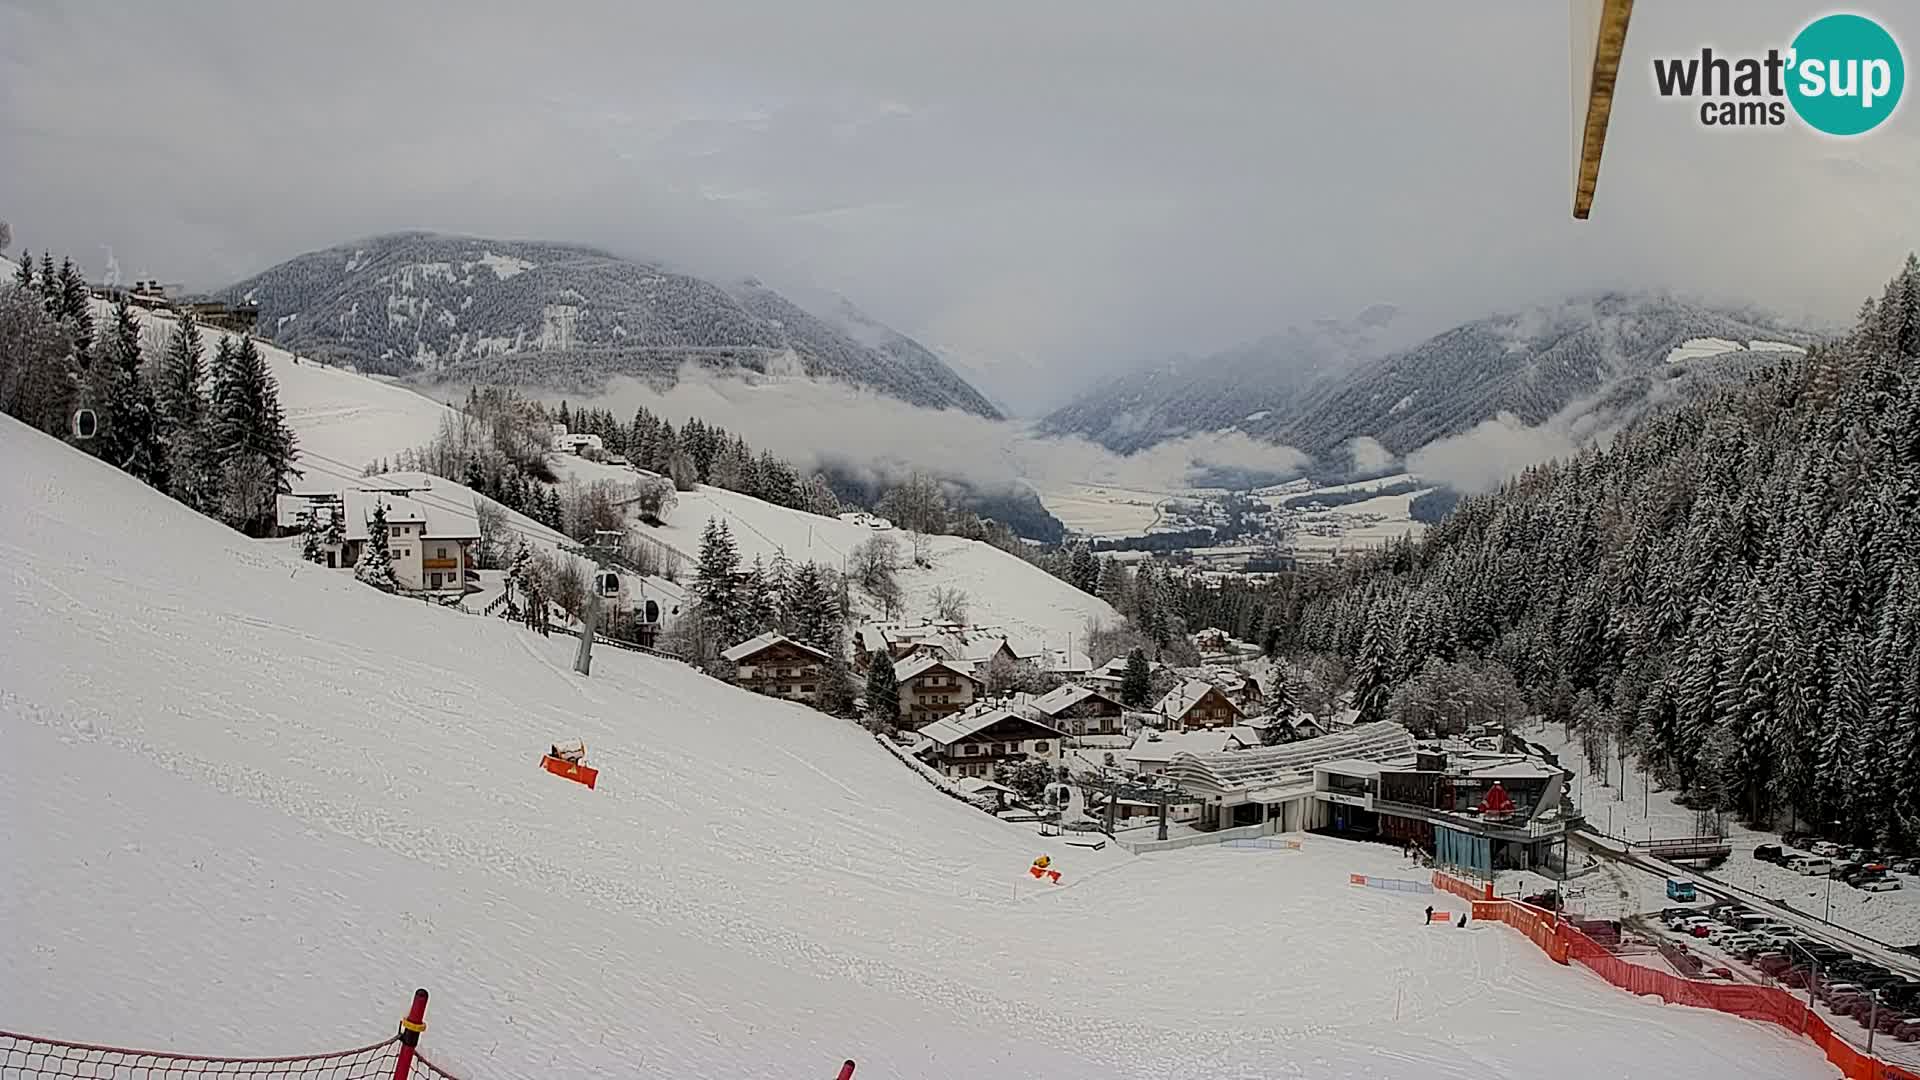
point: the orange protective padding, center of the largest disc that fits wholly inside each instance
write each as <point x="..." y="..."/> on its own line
<point x="1356" y="879"/>
<point x="1773" y="1004"/>
<point x="579" y="774"/>
<point x="1036" y="872"/>
<point x="1441" y="918"/>
<point x="1055" y="875"/>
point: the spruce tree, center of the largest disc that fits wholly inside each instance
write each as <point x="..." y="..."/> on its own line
<point x="309" y="537"/>
<point x="1373" y="681"/>
<point x="715" y="588"/>
<point x="49" y="284"/>
<point x="23" y="273"/>
<point x="123" y="399"/>
<point x="76" y="309"/>
<point x="1136" y="683"/>
<point x="376" y="559"/>
<point x="183" y="416"/>
<point x="251" y="439"/>
<point x="883" y="690"/>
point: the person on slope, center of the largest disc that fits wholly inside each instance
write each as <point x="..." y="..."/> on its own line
<point x="1429" y="914"/>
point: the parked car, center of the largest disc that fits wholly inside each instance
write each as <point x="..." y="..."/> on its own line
<point x="1772" y="853"/>
<point x="1681" y="890"/>
<point x="1812" y="867"/>
<point x="1879" y="884"/>
<point x="1842" y="868"/>
<point x="1825" y="848"/>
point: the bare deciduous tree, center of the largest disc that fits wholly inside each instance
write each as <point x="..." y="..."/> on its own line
<point x="950" y="605"/>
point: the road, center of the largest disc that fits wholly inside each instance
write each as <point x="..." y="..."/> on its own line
<point x="1837" y="936"/>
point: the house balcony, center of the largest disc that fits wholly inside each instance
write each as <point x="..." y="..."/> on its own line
<point x="440" y="564"/>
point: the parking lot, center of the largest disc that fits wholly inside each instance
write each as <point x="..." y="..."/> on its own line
<point x="1853" y="993"/>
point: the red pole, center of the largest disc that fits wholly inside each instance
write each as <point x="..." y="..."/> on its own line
<point x="410" y="1029"/>
<point x="846" y="1070"/>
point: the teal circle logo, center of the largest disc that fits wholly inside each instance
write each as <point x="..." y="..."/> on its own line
<point x="1846" y="74"/>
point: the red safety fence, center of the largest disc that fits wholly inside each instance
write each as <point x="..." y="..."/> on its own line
<point x="1565" y="944"/>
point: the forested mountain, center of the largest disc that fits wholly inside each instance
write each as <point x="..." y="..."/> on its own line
<point x="468" y="309"/>
<point x="1301" y="391"/>
<point x="1241" y="387"/>
<point x="1730" y="590"/>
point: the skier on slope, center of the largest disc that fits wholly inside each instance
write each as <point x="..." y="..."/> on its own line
<point x="1429" y="914"/>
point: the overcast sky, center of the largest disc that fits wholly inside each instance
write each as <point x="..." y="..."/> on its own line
<point x="1043" y="190"/>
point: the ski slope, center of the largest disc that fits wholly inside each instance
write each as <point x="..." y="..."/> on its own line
<point x="251" y="804"/>
<point x="1005" y="592"/>
<point x="345" y="419"/>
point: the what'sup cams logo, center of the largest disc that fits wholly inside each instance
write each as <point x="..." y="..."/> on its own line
<point x="1842" y="75"/>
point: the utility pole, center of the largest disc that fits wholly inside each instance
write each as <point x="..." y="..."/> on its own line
<point x="604" y="551"/>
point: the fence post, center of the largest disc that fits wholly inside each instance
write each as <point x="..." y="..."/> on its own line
<point x="410" y="1029"/>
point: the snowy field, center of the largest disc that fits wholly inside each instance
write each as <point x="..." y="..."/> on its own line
<point x="252" y="804"/>
<point x="1104" y="510"/>
<point x="1003" y="591"/>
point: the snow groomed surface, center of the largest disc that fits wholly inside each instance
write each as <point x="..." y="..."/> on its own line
<point x="251" y="804"/>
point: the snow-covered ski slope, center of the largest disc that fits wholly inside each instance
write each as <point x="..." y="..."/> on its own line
<point x="251" y="804"/>
<point x="1003" y="591"/>
<point x="345" y="419"/>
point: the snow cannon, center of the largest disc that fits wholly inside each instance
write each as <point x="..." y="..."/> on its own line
<point x="568" y="760"/>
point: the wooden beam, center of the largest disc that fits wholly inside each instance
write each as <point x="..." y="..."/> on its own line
<point x="1609" y="43"/>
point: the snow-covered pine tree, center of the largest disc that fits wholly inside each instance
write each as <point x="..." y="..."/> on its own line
<point x="309" y="537"/>
<point x="76" y="310"/>
<point x="779" y="578"/>
<point x="715" y="588"/>
<point x="1136" y="682"/>
<point x="1084" y="572"/>
<point x="23" y="273"/>
<point x="376" y="559"/>
<point x="883" y="691"/>
<point x="181" y="396"/>
<point x="251" y="439"/>
<point x="49" y="283"/>
<point x="123" y="398"/>
<point x="1373" y="679"/>
<point x="758" y="614"/>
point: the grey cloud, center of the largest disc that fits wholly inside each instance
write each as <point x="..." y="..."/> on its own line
<point x="1048" y="191"/>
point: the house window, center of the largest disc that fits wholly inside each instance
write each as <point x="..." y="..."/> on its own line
<point x="443" y="553"/>
<point x="973" y="749"/>
<point x="1040" y="747"/>
<point x="806" y="688"/>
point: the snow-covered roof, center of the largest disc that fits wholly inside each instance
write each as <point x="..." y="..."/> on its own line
<point x="870" y="637"/>
<point x="961" y="725"/>
<point x="1287" y="765"/>
<point x="1068" y="662"/>
<point x="765" y="641"/>
<point x="1148" y="749"/>
<point x="1184" y="697"/>
<point x="1061" y="698"/>
<point x="923" y="663"/>
<point x="1350" y="767"/>
<point x="443" y="509"/>
<point x="974" y="785"/>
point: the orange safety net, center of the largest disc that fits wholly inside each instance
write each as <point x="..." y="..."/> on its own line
<point x="1463" y="889"/>
<point x="1772" y="1004"/>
